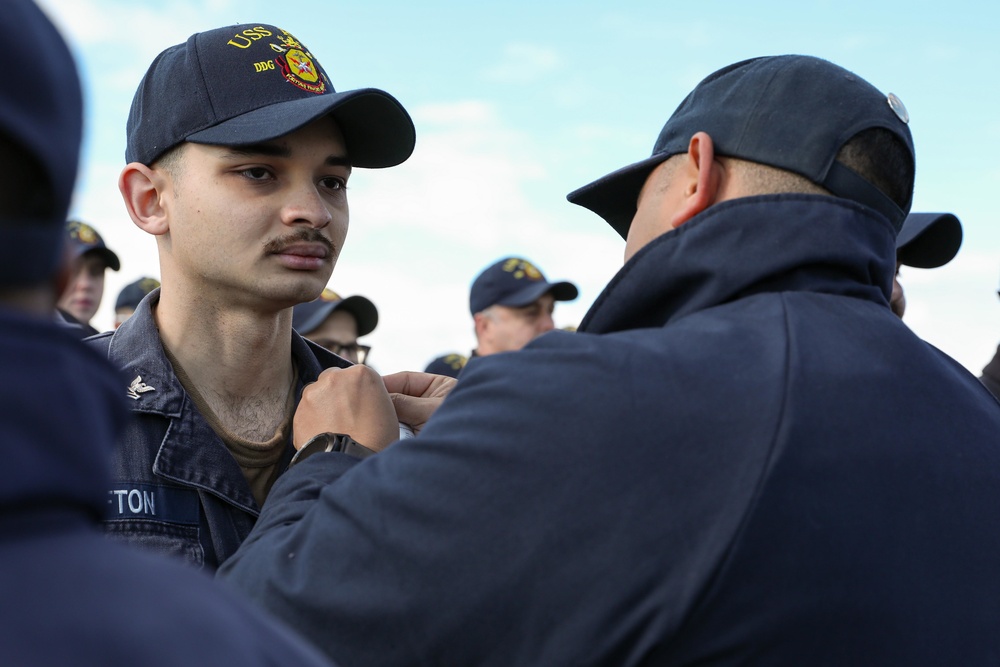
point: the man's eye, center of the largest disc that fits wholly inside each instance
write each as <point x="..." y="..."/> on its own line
<point x="256" y="173"/>
<point x="333" y="183"/>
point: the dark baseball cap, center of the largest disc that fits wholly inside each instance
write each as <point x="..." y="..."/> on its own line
<point x="41" y="117"/>
<point x="244" y="84"/>
<point x="134" y="292"/>
<point x="928" y="240"/>
<point x="449" y="365"/>
<point x="792" y="112"/>
<point x="84" y="239"/>
<point x="308" y="316"/>
<point x="515" y="282"/>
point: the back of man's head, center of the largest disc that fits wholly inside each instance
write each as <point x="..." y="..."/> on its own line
<point x="41" y="125"/>
<point x="798" y="114"/>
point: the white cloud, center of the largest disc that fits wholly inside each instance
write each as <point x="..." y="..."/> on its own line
<point x="467" y="168"/>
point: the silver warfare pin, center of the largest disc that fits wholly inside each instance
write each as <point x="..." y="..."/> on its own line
<point x="897" y="107"/>
<point x="138" y="387"/>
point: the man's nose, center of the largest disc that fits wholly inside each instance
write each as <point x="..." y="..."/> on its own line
<point x="307" y="206"/>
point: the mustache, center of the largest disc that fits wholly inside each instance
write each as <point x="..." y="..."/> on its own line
<point x="309" y="235"/>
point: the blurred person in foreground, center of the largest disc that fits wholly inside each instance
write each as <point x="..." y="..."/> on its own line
<point x="741" y="457"/>
<point x="71" y="596"/>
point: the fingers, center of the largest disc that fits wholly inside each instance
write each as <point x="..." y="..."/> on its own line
<point x="351" y="400"/>
<point x="414" y="411"/>
<point x="426" y="385"/>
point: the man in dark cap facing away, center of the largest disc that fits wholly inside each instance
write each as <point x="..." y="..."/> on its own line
<point x="70" y="595"/>
<point x="741" y="457"/>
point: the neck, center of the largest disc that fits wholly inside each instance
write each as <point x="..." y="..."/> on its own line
<point x="227" y="351"/>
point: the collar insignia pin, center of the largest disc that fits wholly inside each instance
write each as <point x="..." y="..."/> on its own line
<point x="138" y="387"/>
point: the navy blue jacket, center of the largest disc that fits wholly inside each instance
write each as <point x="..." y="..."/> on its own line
<point x="176" y="488"/>
<point x="742" y="457"/>
<point x="70" y="595"/>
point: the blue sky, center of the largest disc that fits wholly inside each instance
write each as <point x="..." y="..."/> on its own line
<point x="518" y="103"/>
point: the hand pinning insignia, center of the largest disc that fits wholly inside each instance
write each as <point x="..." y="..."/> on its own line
<point x="138" y="387"/>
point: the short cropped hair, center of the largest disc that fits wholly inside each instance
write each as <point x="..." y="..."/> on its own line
<point x="875" y="154"/>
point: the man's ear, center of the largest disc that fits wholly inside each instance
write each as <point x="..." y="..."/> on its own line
<point x="703" y="177"/>
<point x="142" y="189"/>
<point x="481" y="321"/>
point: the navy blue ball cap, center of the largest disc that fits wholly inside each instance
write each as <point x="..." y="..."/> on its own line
<point x="134" y="292"/>
<point x="41" y="119"/>
<point x="307" y="316"/>
<point x="449" y="365"/>
<point x="84" y="239"/>
<point x="792" y="112"/>
<point x="244" y="84"/>
<point x="928" y="240"/>
<point x="515" y="282"/>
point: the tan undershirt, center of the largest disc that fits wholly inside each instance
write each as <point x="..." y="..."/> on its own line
<point x="257" y="460"/>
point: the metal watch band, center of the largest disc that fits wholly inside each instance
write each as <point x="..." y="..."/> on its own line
<point x="331" y="442"/>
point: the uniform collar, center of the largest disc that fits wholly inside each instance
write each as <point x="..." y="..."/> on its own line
<point x="744" y="246"/>
<point x="153" y="387"/>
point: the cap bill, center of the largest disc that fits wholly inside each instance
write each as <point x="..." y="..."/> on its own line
<point x="377" y="129"/>
<point x="614" y="197"/>
<point x="564" y="291"/>
<point x="364" y="311"/>
<point x="532" y="293"/>
<point x="928" y="240"/>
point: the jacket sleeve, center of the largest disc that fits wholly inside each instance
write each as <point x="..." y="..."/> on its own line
<point x="487" y="538"/>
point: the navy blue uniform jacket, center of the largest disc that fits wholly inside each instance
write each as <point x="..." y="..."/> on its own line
<point x="70" y="595"/>
<point x="741" y="458"/>
<point x="176" y="489"/>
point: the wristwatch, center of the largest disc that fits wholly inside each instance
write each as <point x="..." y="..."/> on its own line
<point x="331" y="442"/>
